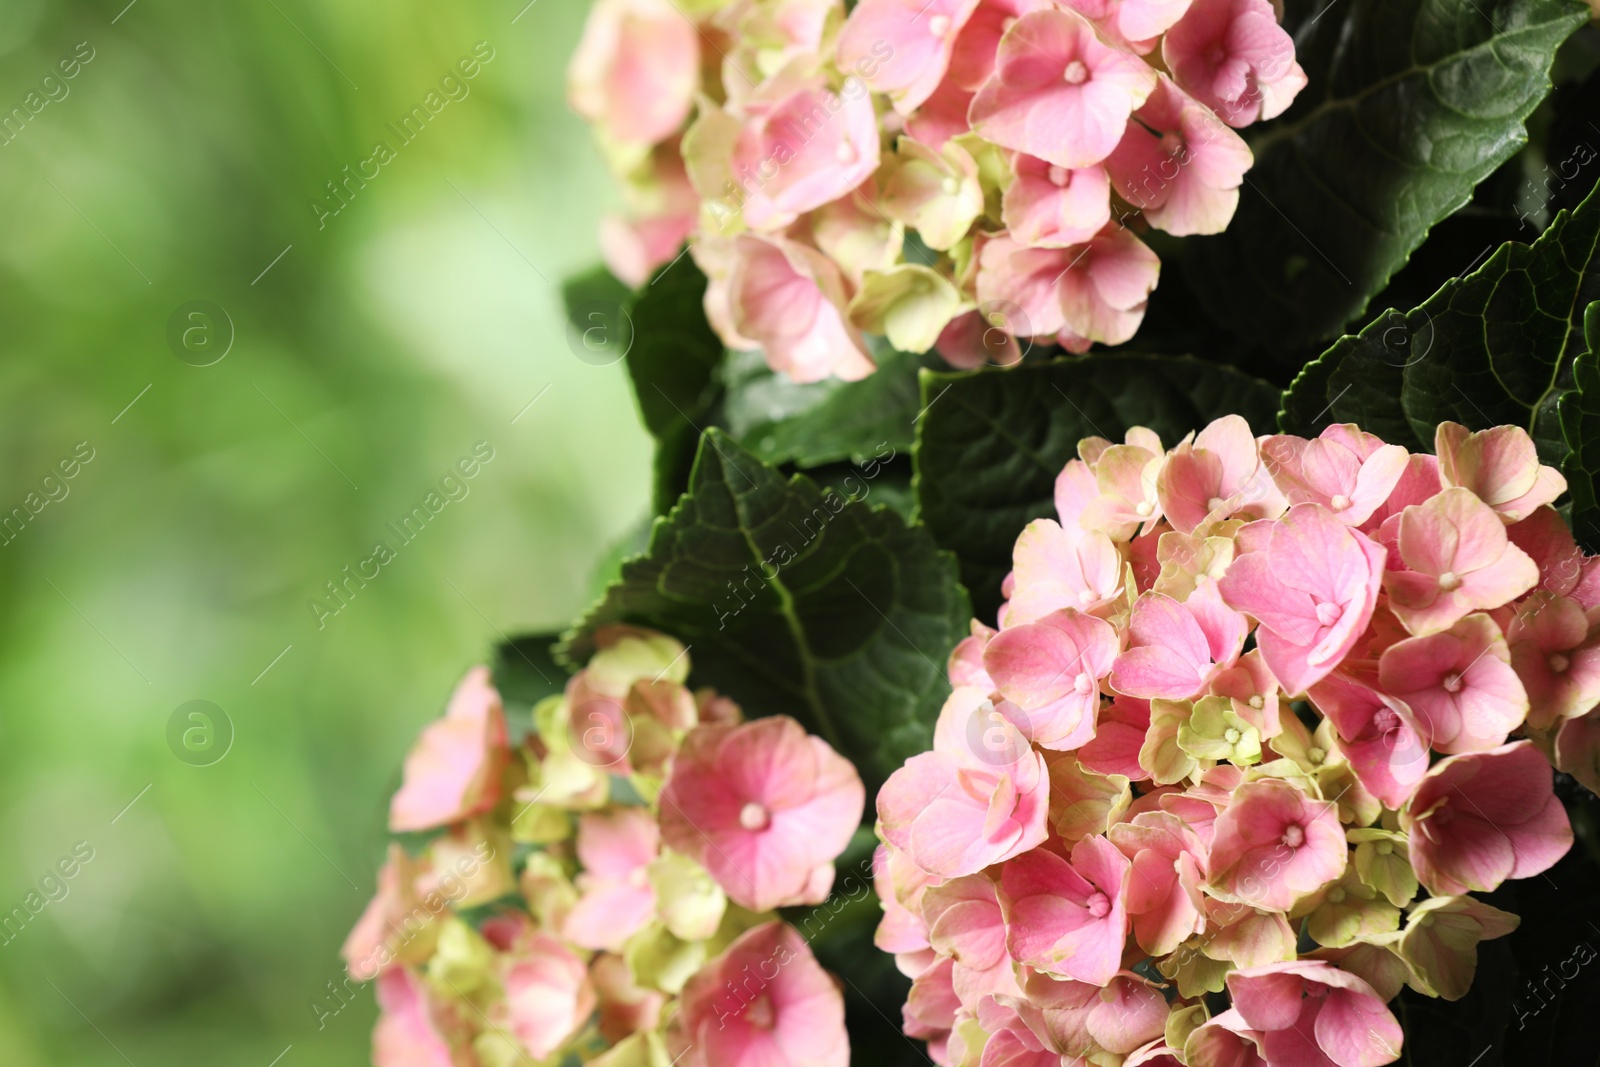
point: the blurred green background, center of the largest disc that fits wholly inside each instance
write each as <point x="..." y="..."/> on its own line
<point x="180" y="161"/>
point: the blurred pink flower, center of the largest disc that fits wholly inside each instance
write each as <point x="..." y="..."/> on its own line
<point x="789" y="299"/>
<point x="764" y="807"/>
<point x="548" y="994"/>
<point x="764" y="1003"/>
<point x="414" y="1030"/>
<point x="904" y="44"/>
<point x="635" y="71"/>
<point x="453" y="771"/>
<point x="615" y="849"/>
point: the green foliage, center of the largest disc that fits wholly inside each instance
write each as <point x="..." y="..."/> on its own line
<point x="672" y="357"/>
<point x="524" y="672"/>
<point x="685" y="382"/>
<point x="1410" y="104"/>
<point x="797" y="601"/>
<point x="1580" y="421"/>
<point x="991" y="442"/>
<point x="828" y="421"/>
<point x="1500" y="346"/>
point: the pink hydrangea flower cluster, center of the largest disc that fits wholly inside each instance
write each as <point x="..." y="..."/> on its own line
<point x="604" y="892"/>
<point x="1027" y="143"/>
<point x="1261" y="714"/>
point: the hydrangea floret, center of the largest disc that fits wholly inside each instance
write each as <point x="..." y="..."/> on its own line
<point x="1259" y="718"/>
<point x="965" y="175"/>
<point x="603" y="890"/>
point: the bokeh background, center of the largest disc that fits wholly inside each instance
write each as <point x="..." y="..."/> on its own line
<point x="422" y="319"/>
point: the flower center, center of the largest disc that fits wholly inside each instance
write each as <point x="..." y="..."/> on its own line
<point x="846" y="152"/>
<point x="1293" y="835"/>
<point x="939" y="25"/>
<point x="1060" y="177"/>
<point x="760" y="1014"/>
<point x="1385" y="720"/>
<point x="1315" y="754"/>
<point x="1076" y="73"/>
<point x="754" y="817"/>
<point x="1328" y="613"/>
<point x="1231" y="736"/>
<point x="1336" y="895"/>
<point x="1558" y="662"/>
<point x="1099" y="905"/>
<point x="1086" y="596"/>
<point x="1256" y="702"/>
<point x="1215" y="503"/>
<point x="1449" y="581"/>
<point x="1143" y="508"/>
<point x="1452" y="682"/>
<point x="950" y="186"/>
<point x="1385" y="848"/>
<point x="1083" y="684"/>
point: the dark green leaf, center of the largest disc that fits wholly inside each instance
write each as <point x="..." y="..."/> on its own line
<point x="799" y="602"/>
<point x="1580" y="423"/>
<point x="685" y="383"/>
<point x="886" y="482"/>
<point x="674" y="355"/>
<point x="524" y="672"/>
<point x="1496" y="347"/>
<point x="991" y="442"/>
<point x="823" y="422"/>
<point x="1410" y="104"/>
<point x="594" y="290"/>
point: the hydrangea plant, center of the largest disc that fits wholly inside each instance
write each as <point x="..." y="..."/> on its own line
<point x="1125" y="484"/>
